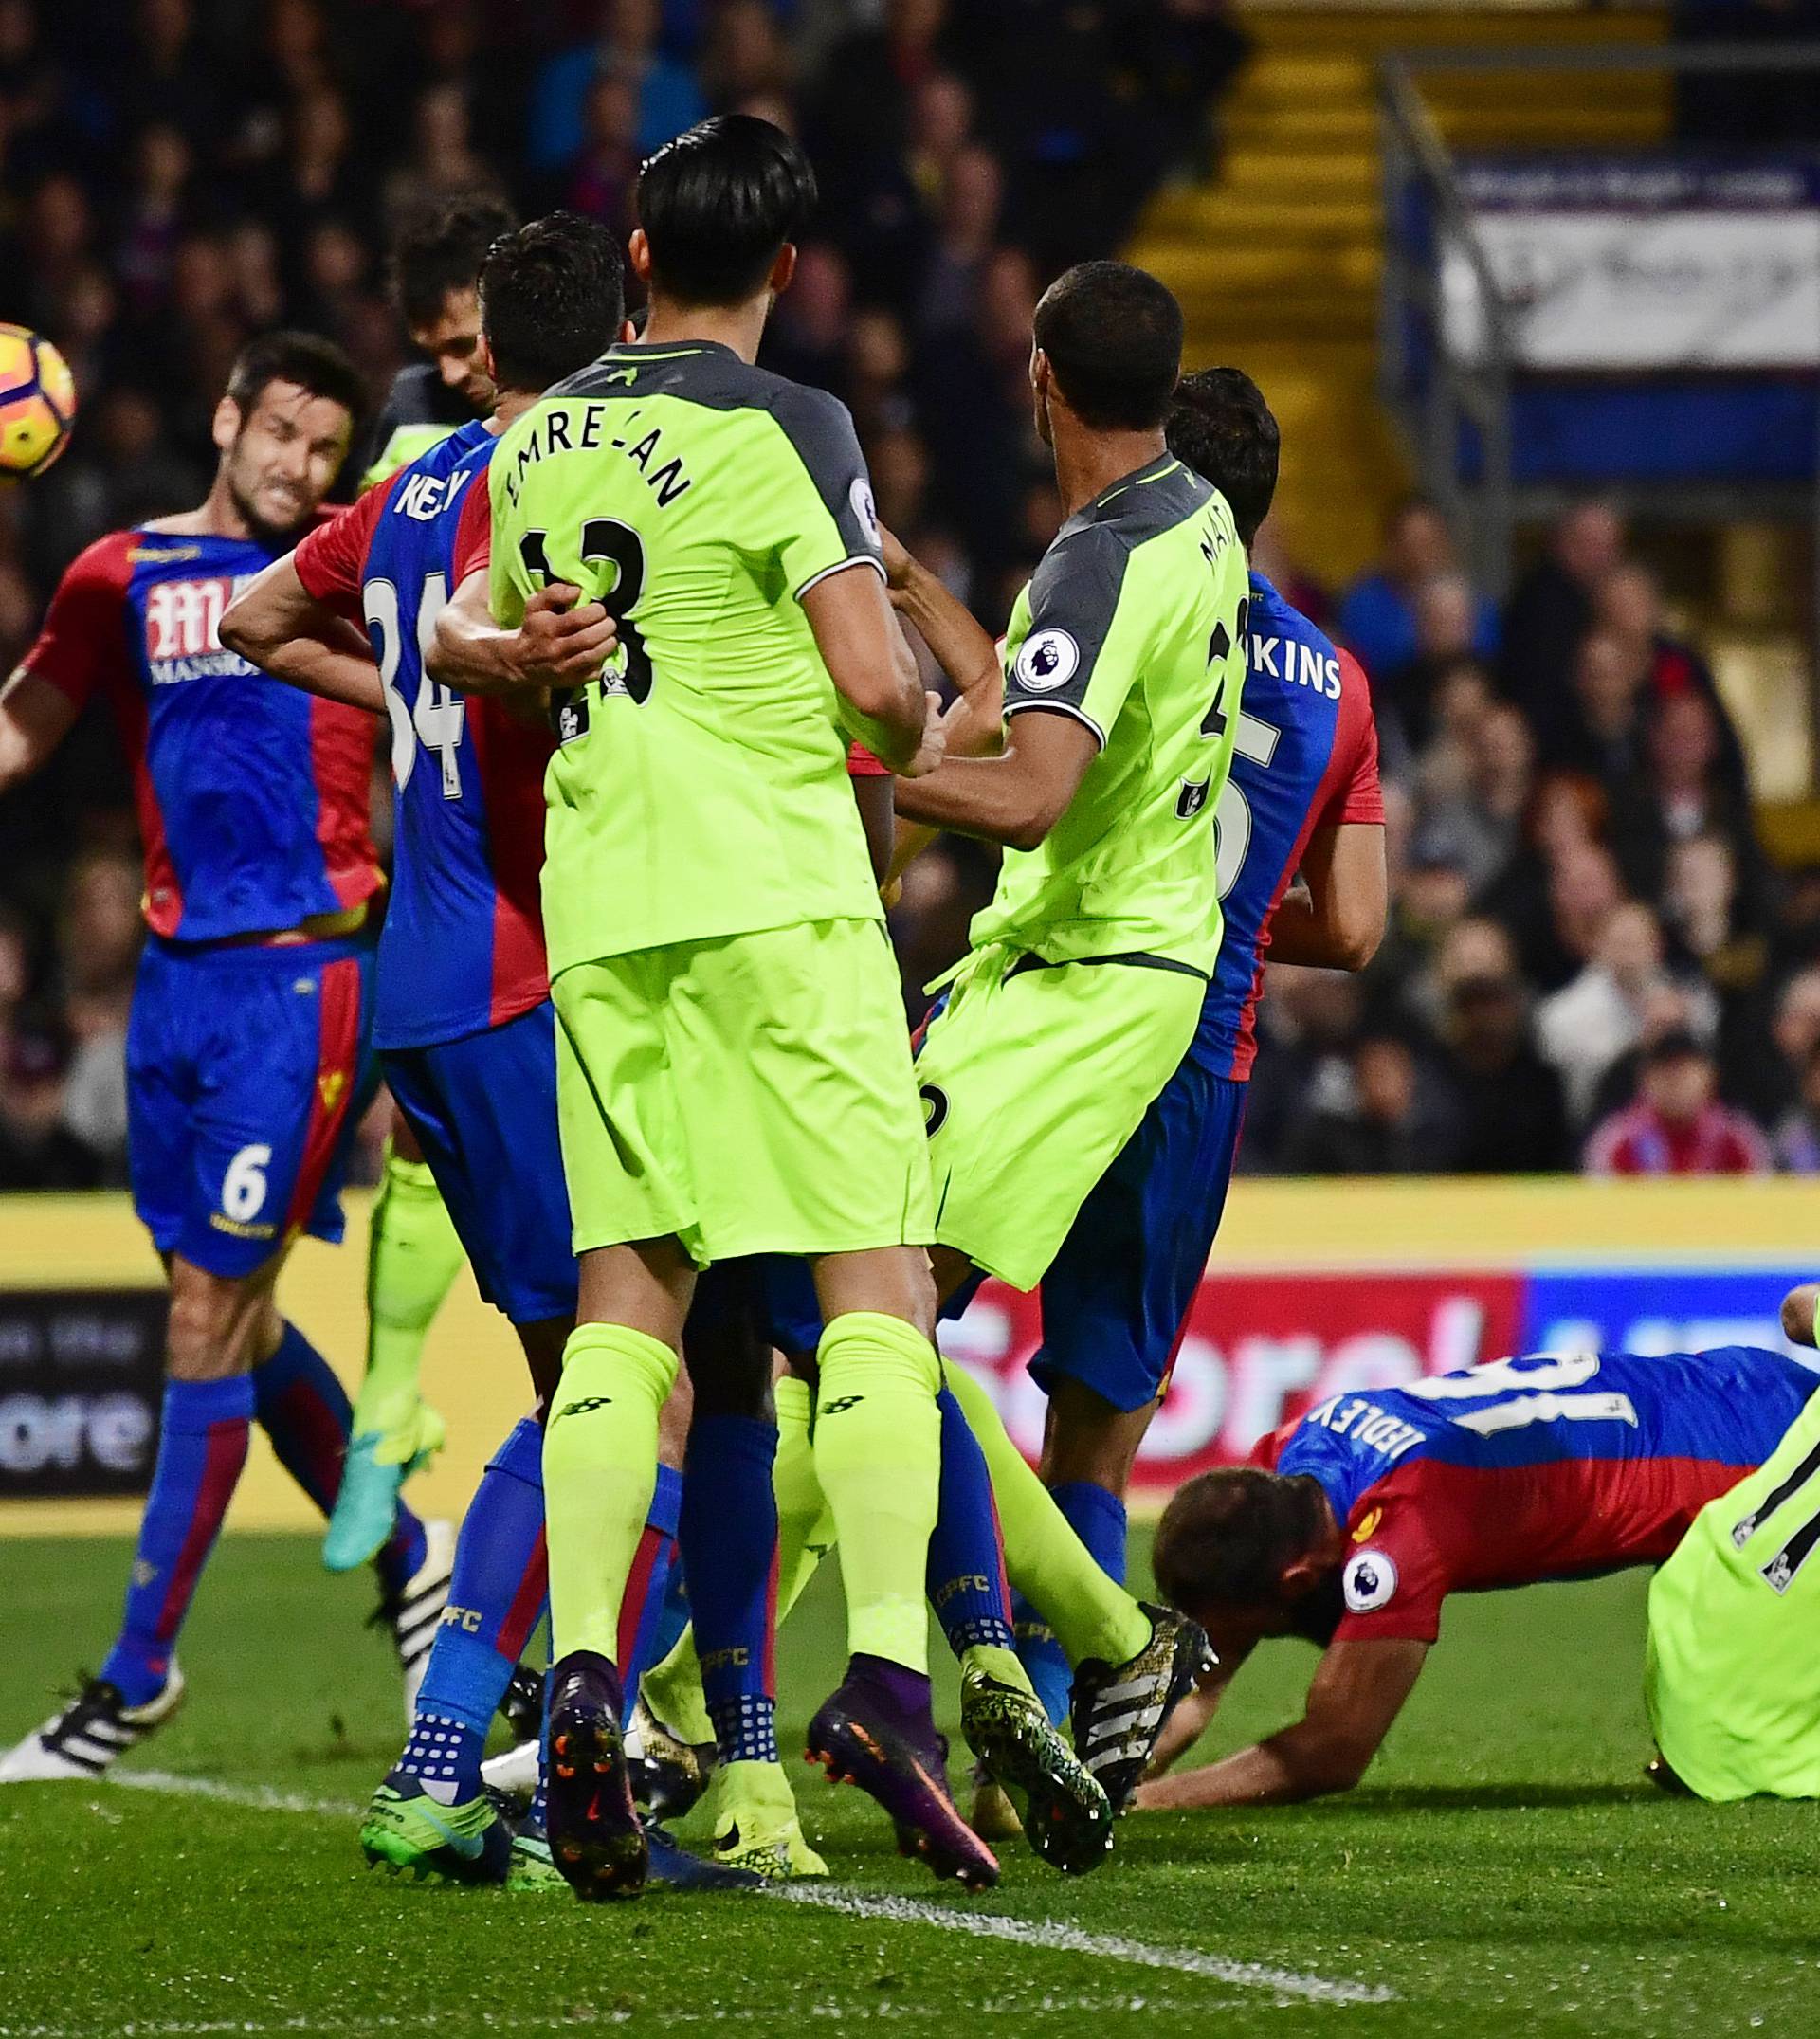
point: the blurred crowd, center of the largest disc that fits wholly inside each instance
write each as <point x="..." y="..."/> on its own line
<point x="176" y="175"/>
<point x="1590" y="961"/>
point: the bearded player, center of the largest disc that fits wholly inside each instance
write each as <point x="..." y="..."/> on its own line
<point x="250" y="1014"/>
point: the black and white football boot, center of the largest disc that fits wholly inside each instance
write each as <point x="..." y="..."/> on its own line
<point x="414" y="1613"/>
<point x="1119" y="1709"/>
<point x="91" y="1733"/>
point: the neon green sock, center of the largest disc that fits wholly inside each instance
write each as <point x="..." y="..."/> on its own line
<point x="599" y="1474"/>
<point x="878" y="1456"/>
<point x="412" y="1258"/>
<point x="804" y="1521"/>
<point x="672" y="1689"/>
<point x="1049" y="1564"/>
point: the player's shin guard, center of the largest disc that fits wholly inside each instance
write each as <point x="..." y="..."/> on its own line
<point x="496" y="1598"/>
<point x="304" y="1409"/>
<point x="730" y="1554"/>
<point x="411" y="1265"/>
<point x="966" y="1576"/>
<point x="201" y="1450"/>
<point x="599" y="1476"/>
<point x="1097" y="1518"/>
<point x="878" y="1455"/>
<point x="1091" y="1614"/>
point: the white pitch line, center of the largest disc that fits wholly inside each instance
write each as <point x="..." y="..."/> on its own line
<point x="1054" y="1938"/>
<point x="1045" y="1935"/>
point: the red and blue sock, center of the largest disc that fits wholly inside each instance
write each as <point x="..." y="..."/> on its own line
<point x="966" y="1578"/>
<point x="304" y="1409"/>
<point x="642" y="1612"/>
<point x="1097" y="1518"/>
<point x="201" y="1450"/>
<point x="729" y="1552"/>
<point x="497" y="1595"/>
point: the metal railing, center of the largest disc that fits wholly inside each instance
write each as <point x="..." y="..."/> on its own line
<point x="1439" y="389"/>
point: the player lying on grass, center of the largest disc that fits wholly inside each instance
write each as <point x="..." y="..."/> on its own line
<point x="462" y="1019"/>
<point x="1359" y="1519"/>
<point x="1731" y="1679"/>
<point x="250" y="1014"/>
<point x="413" y="1252"/>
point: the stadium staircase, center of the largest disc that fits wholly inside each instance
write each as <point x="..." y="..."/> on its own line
<point x="1277" y="258"/>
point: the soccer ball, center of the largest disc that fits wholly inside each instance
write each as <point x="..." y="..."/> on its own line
<point x="37" y="403"/>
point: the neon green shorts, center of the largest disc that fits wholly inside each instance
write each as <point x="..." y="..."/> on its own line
<point x="1033" y="1078"/>
<point x="751" y="1094"/>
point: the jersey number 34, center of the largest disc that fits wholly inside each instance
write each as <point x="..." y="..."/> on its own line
<point x="437" y="717"/>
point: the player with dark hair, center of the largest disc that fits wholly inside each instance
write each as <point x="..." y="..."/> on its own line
<point x="435" y="260"/>
<point x="1086" y="974"/>
<point x="733" y="1073"/>
<point x="462" y="1018"/>
<point x="1302" y="799"/>
<point x="413" y="1252"/>
<point x="1359" y="1519"/>
<point x="250" y="1014"/>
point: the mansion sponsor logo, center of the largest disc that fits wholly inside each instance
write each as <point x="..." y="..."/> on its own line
<point x="183" y="628"/>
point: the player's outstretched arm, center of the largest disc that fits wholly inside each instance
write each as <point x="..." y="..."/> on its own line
<point x="873" y="669"/>
<point x="35" y="718"/>
<point x="1338" y="922"/>
<point x="1015" y="798"/>
<point x="562" y="642"/>
<point x="276" y="624"/>
<point x="1801" y="1315"/>
<point x="1357" y="1691"/>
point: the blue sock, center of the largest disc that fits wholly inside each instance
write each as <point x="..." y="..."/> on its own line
<point x="304" y="1409"/>
<point x="730" y="1548"/>
<point x="496" y="1598"/>
<point x="643" y="1610"/>
<point x="1097" y="1518"/>
<point x="201" y="1450"/>
<point x="966" y="1575"/>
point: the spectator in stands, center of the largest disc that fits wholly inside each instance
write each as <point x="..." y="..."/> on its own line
<point x="1306" y="1023"/>
<point x="1377" y="613"/>
<point x="1794" y="1035"/>
<point x="1677" y="1126"/>
<point x="99" y="937"/>
<point x="1796" y="1141"/>
<point x="1384" y="1123"/>
<point x="1551" y="611"/>
<point x="1683" y="792"/>
<point x="1584" y="1027"/>
<point x="37" y="1149"/>
<point x="1484" y="819"/>
<point x="1430" y="894"/>
<point x="1599" y="728"/>
<point x="625" y="45"/>
<point x="1628" y="606"/>
<point x="1509" y="1109"/>
<point x="597" y="181"/>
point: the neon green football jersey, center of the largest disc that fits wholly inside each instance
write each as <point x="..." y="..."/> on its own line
<point x="1133" y="624"/>
<point x="699" y="788"/>
<point x="1732" y="1682"/>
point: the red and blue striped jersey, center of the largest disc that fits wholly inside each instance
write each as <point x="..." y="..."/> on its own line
<point x="462" y="949"/>
<point x="1305" y="756"/>
<point x="1554" y="1466"/>
<point x="252" y="798"/>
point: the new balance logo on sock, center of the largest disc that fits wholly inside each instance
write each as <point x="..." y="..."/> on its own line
<point x="581" y="1408"/>
<point x="842" y="1403"/>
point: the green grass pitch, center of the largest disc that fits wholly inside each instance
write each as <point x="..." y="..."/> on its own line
<point x="1505" y="1871"/>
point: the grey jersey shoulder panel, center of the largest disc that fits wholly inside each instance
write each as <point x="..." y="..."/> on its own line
<point x="1145" y="504"/>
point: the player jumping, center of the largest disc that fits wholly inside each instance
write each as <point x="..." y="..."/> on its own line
<point x="413" y="1252"/>
<point x="1359" y="1519"/>
<point x="250" y="1014"/>
<point x="732" y="1076"/>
